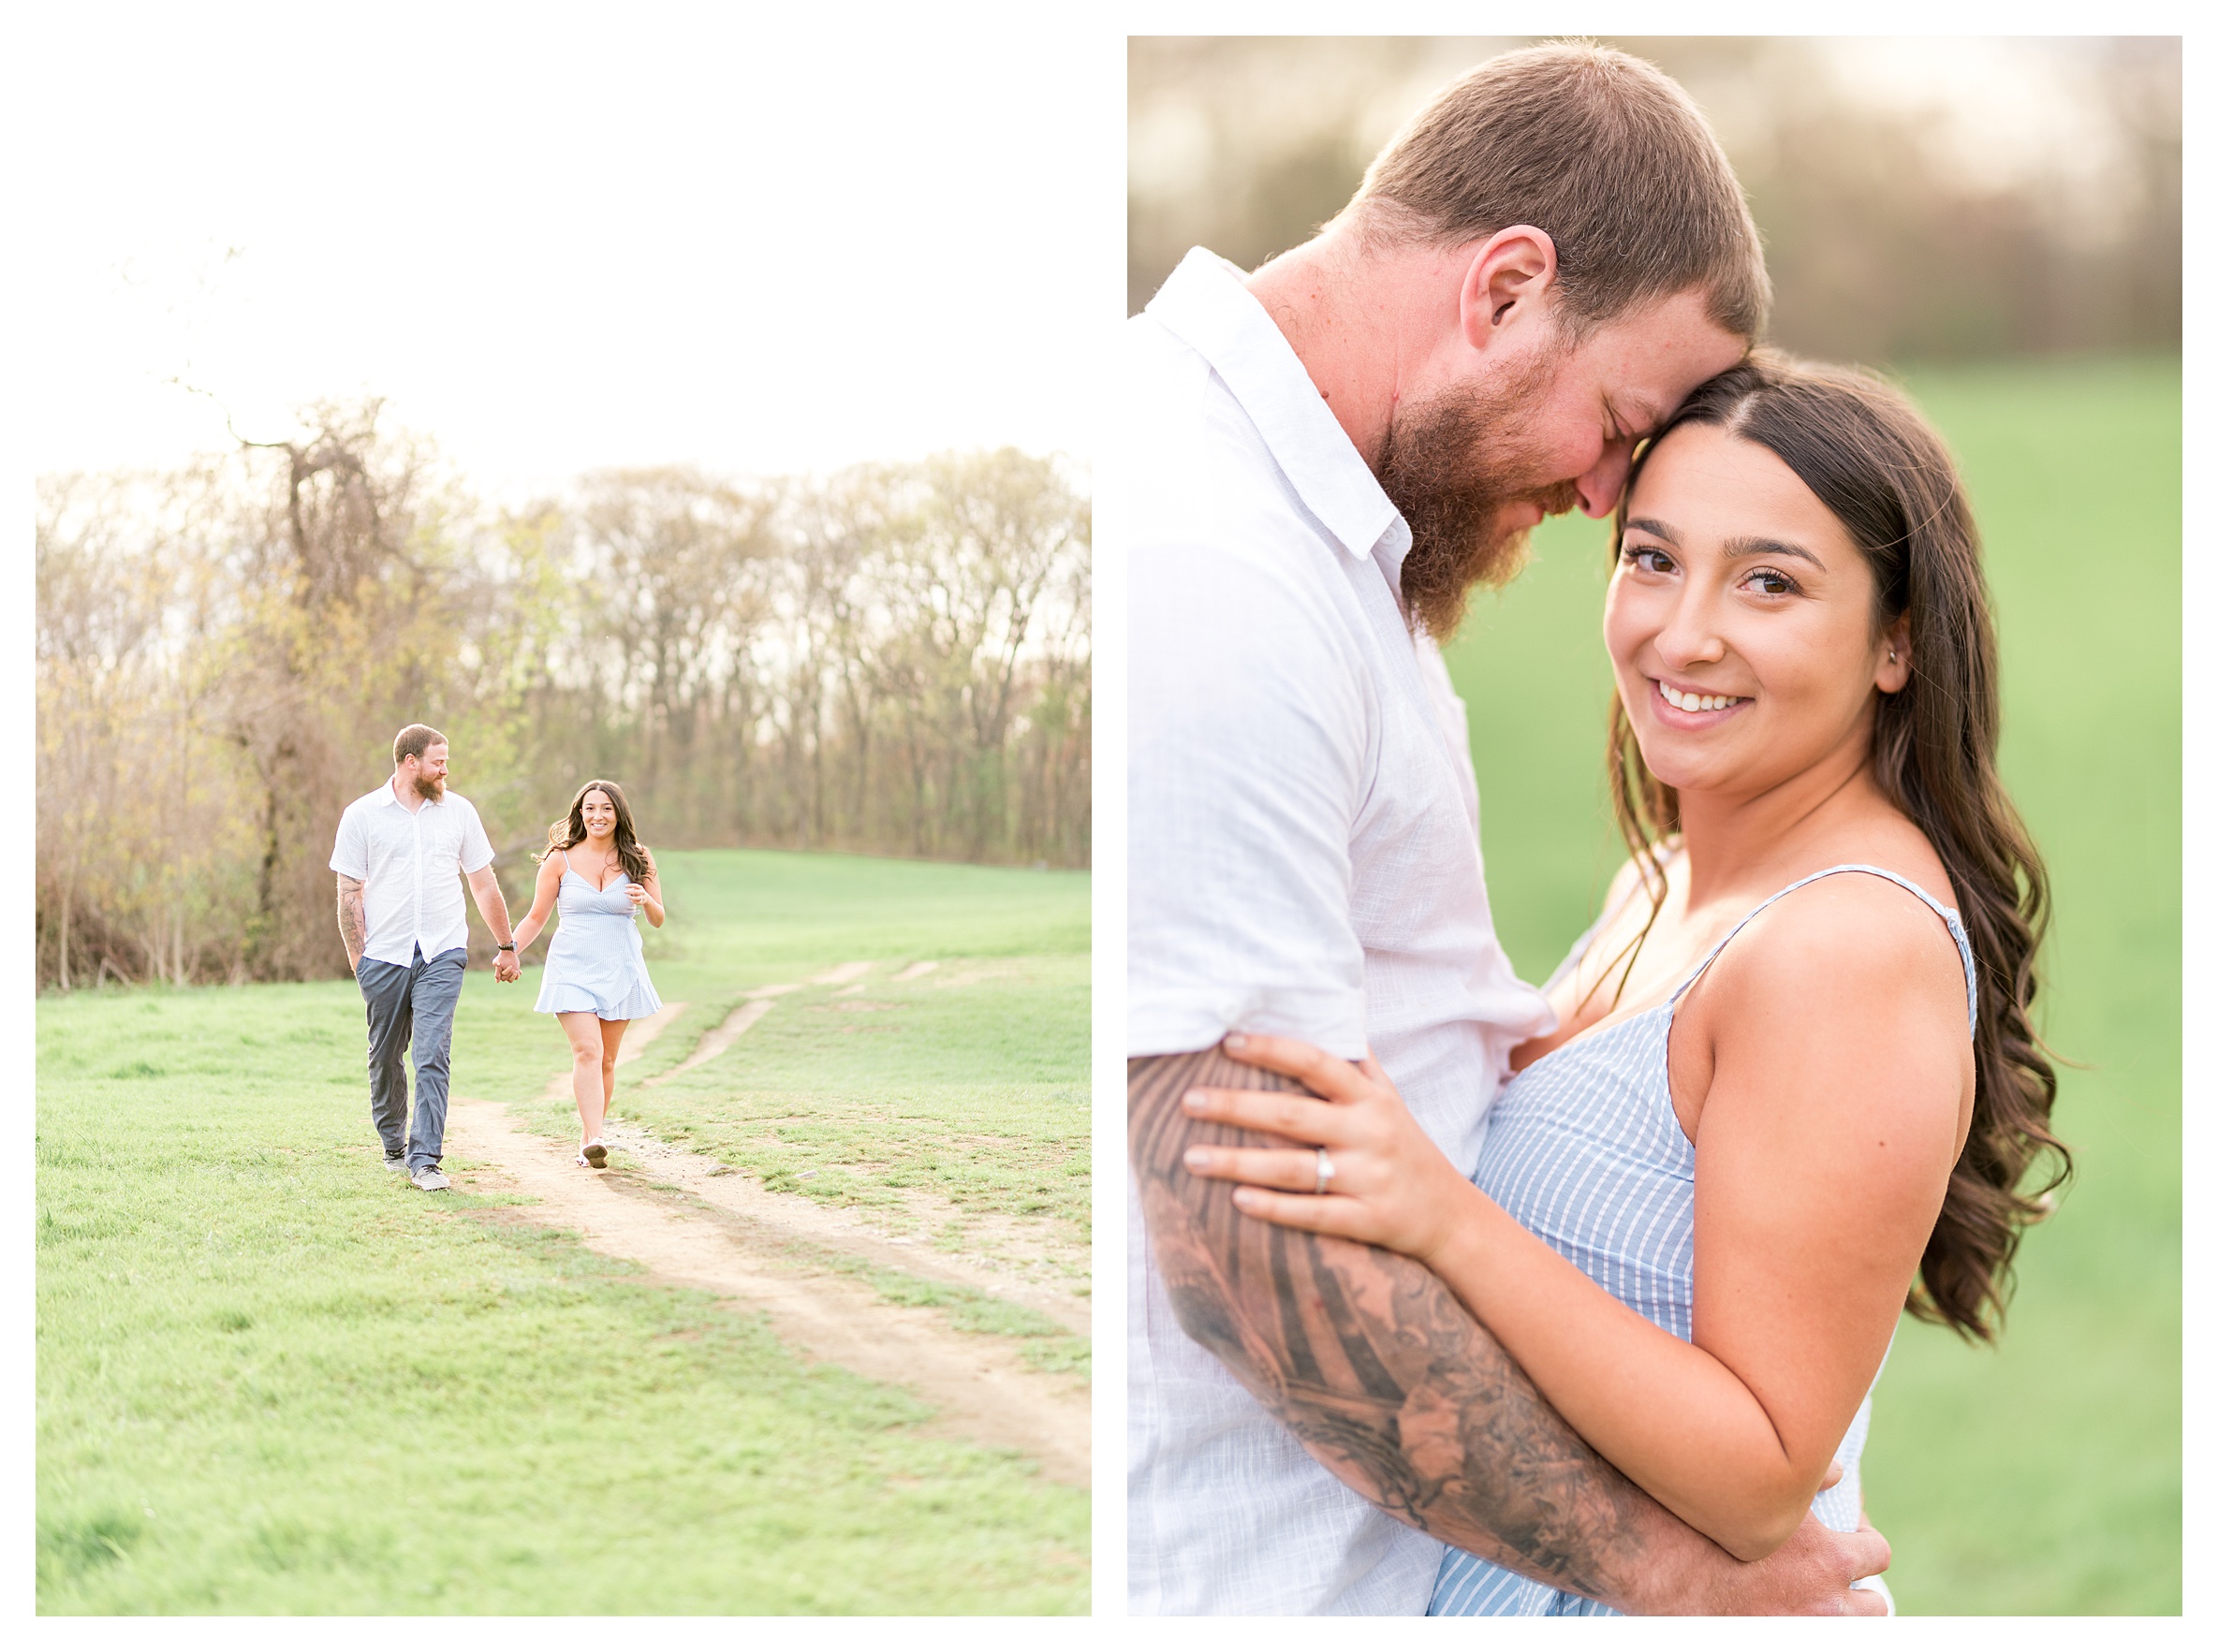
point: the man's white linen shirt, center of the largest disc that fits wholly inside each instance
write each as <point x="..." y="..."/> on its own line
<point x="1303" y="859"/>
<point x="411" y="864"/>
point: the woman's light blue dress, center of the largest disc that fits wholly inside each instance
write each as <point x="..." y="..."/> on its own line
<point x="1583" y="1149"/>
<point x="595" y="960"/>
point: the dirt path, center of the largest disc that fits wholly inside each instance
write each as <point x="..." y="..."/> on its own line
<point x="638" y="1036"/>
<point x="1004" y="1256"/>
<point x="714" y="1043"/>
<point x="713" y="1230"/>
<point x="794" y="1216"/>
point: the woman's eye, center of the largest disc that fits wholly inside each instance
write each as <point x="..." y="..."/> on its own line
<point x="1770" y="582"/>
<point x="1649" y="559"/>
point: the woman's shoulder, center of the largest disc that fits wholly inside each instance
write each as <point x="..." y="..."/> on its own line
<point x="1855" y="941"/>
<point x="1836" y="1014"/>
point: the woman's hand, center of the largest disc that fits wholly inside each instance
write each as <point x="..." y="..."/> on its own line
<point x="1390" y="1184"/>
<point x="645" y="899"/>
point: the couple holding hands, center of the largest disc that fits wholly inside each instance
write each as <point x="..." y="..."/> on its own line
<point x="400" y="852"/>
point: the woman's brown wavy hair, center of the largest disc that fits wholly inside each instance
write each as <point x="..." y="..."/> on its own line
<point x="569" y="831"/>
<point x="1875" y="463"/>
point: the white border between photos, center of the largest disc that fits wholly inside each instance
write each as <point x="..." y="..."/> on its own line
<point x="1108" y="904"/>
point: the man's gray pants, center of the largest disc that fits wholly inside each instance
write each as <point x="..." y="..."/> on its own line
<point x="411" y="1014"/>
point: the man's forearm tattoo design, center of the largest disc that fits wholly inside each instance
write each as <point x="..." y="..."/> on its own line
<point x="1374" y="1365"/>
<point x="351" y="926"/>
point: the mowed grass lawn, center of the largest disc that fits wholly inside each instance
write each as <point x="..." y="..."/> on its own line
<point x="272" y="1378"/>
<point x="2042" y="1476"/>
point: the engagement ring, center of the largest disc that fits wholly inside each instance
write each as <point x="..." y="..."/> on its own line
<point x="1323" y="1172"/>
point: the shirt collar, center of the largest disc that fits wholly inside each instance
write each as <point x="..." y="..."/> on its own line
<point x="385" y="794"/>
<point x="1206" y="303"/>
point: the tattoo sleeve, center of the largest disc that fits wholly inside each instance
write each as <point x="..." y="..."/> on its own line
<point x="1383" y="1375"/>
<point x="352" y="928"/>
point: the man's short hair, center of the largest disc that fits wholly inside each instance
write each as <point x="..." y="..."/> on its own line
<point x="1603" y="152"/>
<point x="414" y="741"/>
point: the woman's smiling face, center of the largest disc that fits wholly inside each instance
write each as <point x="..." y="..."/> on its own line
<point x="599" y="815"/>
<point x="1739" y="621"/>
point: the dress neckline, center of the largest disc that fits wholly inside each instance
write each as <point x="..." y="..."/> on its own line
<point x="571" y="871"/>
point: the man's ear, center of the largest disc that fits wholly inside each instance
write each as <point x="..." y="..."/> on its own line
<point x="1504" y="283"/>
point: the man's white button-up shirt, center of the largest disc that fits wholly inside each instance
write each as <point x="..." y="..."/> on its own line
<point x="1303" y="859"/>
<point x="411" y="863"/>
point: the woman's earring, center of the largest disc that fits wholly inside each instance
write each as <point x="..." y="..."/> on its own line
<point x="1891" y="656"/>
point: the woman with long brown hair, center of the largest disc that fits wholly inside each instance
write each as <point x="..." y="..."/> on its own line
<point x="595" y="869"/>
<point x="1793" y="1083"/>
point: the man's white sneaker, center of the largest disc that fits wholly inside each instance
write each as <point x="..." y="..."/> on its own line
<point x="429" y="1181"/>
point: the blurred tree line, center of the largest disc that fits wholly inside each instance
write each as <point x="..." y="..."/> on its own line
<point x="893" y="660"/>
<point x="1920" y="199"/>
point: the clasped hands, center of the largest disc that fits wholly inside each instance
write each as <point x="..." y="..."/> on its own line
<point x="507" y="966"/>
<point x="1390" y="1184"/>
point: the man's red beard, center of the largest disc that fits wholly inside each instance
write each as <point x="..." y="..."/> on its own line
<point x="431" y="788"/>
<point x="1452" y="466"/>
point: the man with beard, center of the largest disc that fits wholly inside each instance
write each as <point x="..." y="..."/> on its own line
<point x="1325" y="456"/>
<point x="399" y="854"/>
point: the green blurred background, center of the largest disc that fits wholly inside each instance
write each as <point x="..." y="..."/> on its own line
<point x="2043" y="1475"/>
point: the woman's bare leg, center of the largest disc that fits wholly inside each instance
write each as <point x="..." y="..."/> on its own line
<point x="583" y="1029"/>
<point x="612" y="1039"/>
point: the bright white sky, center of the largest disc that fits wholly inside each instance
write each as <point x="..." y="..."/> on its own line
<point x="559" y="238"/>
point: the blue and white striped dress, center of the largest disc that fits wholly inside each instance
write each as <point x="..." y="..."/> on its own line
<point x="596" y="961"/>
<point x="1582" y="1148"/>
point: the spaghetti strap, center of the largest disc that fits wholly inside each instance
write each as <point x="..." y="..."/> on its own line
<point x="1948" y="915"/>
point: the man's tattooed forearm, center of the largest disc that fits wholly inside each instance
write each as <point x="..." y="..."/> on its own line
<point x="351" y="926"/>
<point x="1375" y="1367"/>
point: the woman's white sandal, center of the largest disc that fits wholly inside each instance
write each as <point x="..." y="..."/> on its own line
<point x="595" y="1155"/>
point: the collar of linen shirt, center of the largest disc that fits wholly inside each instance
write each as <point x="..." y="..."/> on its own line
<point x="1206" y="302"/>
<point x="388" y="795"/>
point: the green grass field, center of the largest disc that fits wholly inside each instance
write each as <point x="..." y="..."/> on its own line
<point x="2042" y="1476"/>
<point x="976" y="1094"/>
<point x="273" y="1379"/>
<point x="894" y="1097"/>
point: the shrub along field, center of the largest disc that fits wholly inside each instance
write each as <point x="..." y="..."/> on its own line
<point x="2041" y="1476"/>
<point x="275" y="1378"/>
